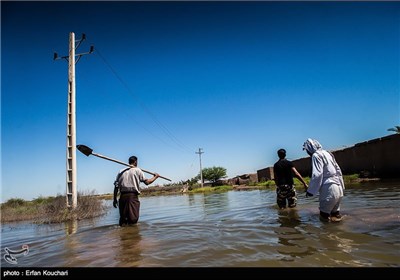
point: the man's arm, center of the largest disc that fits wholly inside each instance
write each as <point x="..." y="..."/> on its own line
<point x="298" y="176"/>
<point x="115" y="201"/>
<point x="151" y="180"/>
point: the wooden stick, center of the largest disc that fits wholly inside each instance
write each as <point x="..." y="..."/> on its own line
<point x="123" y="163"/>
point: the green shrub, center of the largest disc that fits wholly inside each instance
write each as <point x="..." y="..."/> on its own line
<point x="14" y="202"/>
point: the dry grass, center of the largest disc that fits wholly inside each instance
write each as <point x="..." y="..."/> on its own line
<point x="51" y="209"/>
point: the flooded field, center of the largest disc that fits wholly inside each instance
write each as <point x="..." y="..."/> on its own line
<point x="230" y="229"/>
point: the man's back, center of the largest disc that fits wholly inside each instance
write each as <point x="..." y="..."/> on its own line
<point x="130" y="179"/>
<point x="283" y="172"/>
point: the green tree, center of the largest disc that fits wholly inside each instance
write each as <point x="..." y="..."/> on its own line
<point x="395" y="129"/>
<point x="214" y="173"/>
<point x="193" y="181"/>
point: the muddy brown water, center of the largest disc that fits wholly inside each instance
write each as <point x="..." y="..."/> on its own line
<point x="230" y="229"/>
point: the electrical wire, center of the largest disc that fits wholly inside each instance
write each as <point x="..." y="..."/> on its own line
<point x="144" y="107"/>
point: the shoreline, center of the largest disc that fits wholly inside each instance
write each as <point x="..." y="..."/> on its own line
<point x="28" y="214"/>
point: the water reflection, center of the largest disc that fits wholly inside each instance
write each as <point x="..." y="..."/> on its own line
<point x="288" y="220"/>
<point x="216" y="203"/>
<point x="129" y="251"/>
<point x="226" y="229"/>
<point x="291" y="236"/>
<point x="71" y="227"/>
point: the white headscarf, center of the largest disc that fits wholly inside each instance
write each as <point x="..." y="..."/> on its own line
<point x="312" y="145"/>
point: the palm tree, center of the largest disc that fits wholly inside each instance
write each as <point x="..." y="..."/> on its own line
<point x="395" y="129"/>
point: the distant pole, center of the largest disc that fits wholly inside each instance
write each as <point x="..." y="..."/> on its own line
<point x="201" y="169"/>
<point x="71" y="192"/>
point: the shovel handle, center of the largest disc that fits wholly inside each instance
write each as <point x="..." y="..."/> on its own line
<point x="159" y="176"/>
<point x="123" y="163"/>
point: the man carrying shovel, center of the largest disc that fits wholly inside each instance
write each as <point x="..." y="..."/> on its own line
<point x="127" y="184"/>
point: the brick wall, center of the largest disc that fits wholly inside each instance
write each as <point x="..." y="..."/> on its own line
<point x="374" y="158"/>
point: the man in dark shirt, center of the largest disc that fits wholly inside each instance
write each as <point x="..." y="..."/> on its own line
<point x="284" y="171"/>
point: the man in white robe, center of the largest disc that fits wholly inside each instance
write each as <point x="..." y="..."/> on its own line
<point x="326" y="179"/>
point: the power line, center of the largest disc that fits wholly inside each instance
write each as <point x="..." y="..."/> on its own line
<point x="144" y="107"/>
<point x="131" y="117"/>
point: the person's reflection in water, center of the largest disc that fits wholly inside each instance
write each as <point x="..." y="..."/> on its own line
<point x="288" y="219"/>
<point x="130" y="251"/>
<point x="289" y="235"/>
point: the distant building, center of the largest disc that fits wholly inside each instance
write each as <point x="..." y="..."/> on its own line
<point x="378" y="157"/>
<point x="265" y="174"/>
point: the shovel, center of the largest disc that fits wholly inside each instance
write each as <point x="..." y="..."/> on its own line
<point x="88" y="151"/>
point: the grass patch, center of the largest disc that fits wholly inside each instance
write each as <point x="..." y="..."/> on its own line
<point x="351" y="179"/>
<point x="53" y="209"/>
<point x="348" y="179"/>
<point x="222" y="188"/>
<point x="266" y="184"/>
<point x="44" y="210"/>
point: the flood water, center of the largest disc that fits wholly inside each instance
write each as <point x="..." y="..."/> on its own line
<point x="230" y="229"/>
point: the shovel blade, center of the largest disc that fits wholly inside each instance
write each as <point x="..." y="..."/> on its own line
<point x="84" y="150"/>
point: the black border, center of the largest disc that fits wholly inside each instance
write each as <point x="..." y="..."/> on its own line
<point x="196" y="272"/>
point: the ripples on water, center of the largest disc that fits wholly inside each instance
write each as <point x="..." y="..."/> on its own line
<point x="230" y="229"/>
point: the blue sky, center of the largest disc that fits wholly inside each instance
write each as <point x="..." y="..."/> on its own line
<point x="238" y="79"/>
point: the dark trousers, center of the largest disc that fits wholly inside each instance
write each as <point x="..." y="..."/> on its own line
<point x="286" y="193"/>
<point x="129" y="206"/>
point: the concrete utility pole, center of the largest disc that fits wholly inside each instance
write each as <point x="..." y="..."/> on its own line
<point x="201" y="169"/>
<point x="71" y="193"/>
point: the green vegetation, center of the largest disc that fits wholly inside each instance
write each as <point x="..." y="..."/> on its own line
<point x="190" y="187"/>
<point x="54" y="210"/>
<point x="267" y="184"/>
<point x="395" y="129"/>
<point x="348" y="179"/>
<point x="213" y="174"/>
<point x="222" y="188"/>
<point x="51" y="209"/>
<point x="351" y="179"/>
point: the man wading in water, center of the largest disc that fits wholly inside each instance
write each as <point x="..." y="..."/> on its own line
<point x="326" y="179"/>
<point x="127" y="184"/>
<point x="284" y="171"/>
